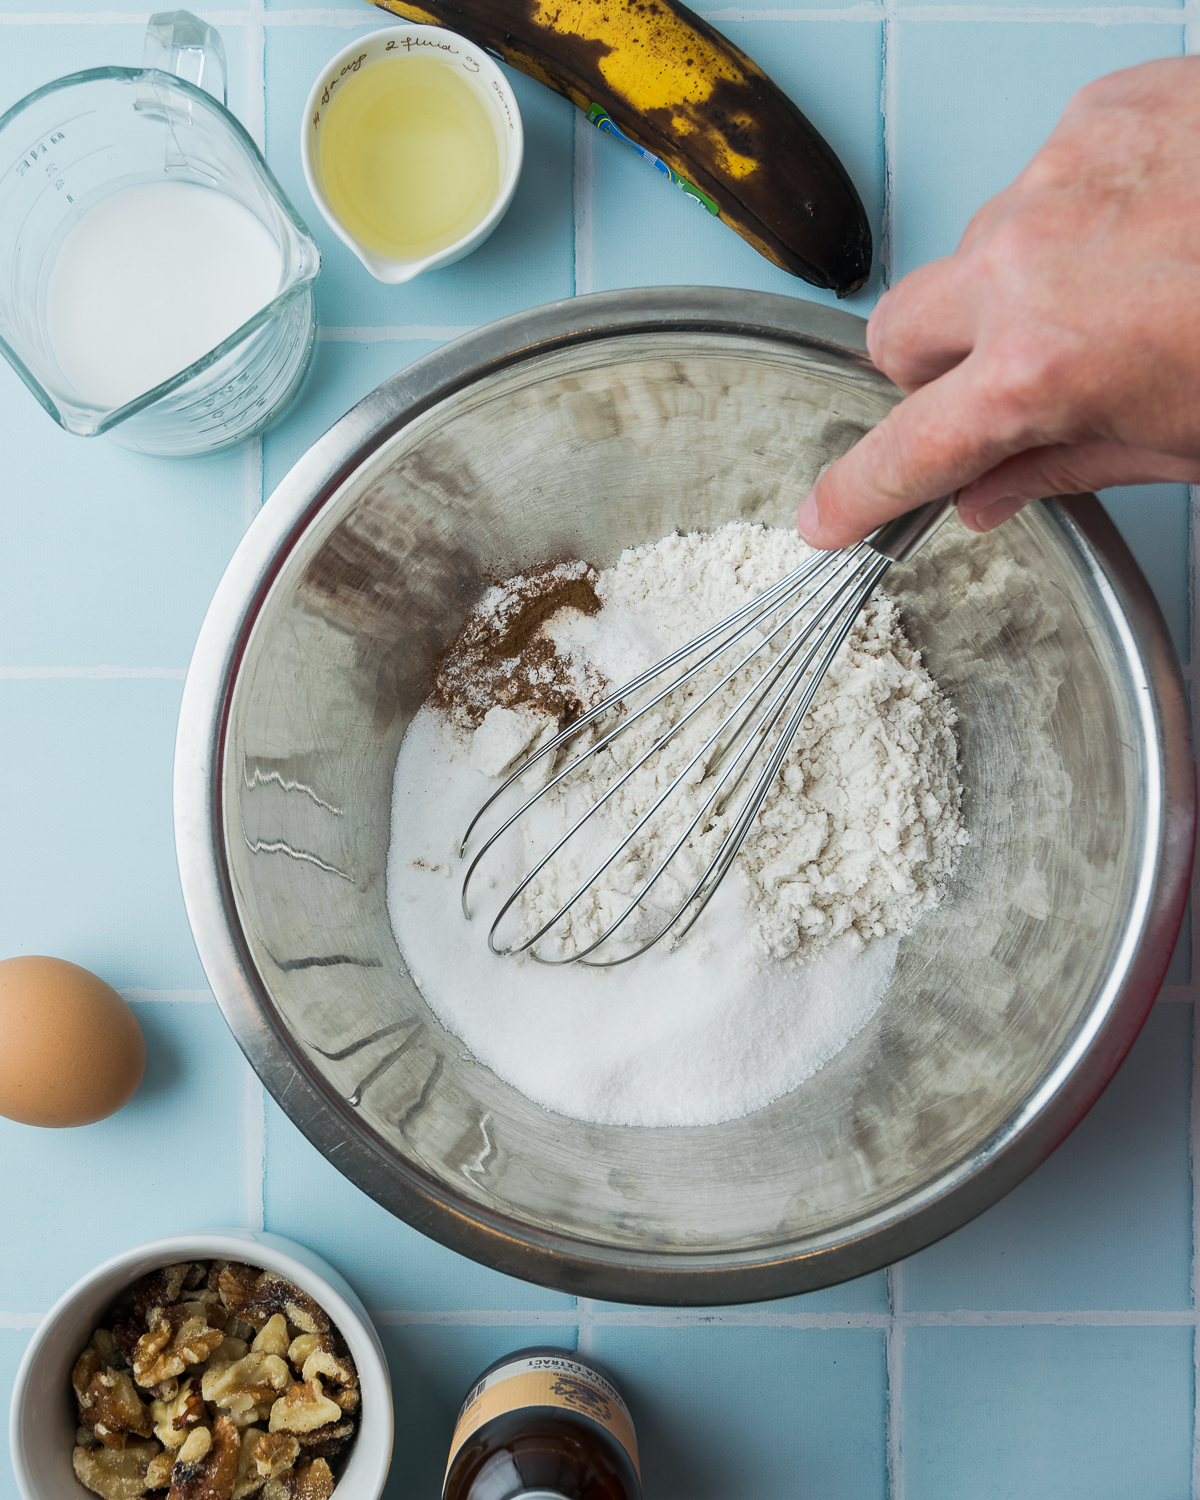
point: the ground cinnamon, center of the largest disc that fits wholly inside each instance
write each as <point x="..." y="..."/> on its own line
<point x="502" y="656"/>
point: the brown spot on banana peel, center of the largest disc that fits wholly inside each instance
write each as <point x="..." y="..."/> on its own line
<point x="708" y="111"/>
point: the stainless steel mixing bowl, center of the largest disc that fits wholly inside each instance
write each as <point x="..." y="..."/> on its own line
<point x="579" y="429"/>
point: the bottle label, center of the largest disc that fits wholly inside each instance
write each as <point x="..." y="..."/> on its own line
<point x="546" y="1380"/>
<point x="602" y="120"/>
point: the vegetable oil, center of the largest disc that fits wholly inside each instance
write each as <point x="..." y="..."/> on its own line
<point x="543" y="1424"/>
<point x="409" y="156"/>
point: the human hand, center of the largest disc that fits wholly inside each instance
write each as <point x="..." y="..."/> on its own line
<point x="1058" y="349"/>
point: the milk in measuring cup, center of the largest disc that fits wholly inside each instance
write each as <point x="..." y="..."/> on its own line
<point x="149" y="280"/>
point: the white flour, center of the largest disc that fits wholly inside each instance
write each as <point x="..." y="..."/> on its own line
<point x="854" y="842"/>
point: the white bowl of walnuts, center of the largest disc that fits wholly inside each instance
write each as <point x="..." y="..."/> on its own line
<point x="222" y="1365"/>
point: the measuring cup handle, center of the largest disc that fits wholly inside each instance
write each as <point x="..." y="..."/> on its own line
<point x="180" y="43"/>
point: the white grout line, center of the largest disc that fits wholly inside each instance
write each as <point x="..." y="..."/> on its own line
<point x="583" y="195"/>
<point x="478" y="1318"/>
<point x="402" y="333"/>
<point x="50" y="674"/>
<point x="254" y="1166"/>
<point x="1091" y="15"/>
<point x="1094" y="15"/>
<point x="887" y="108"/>
<point x="868" y="10"/>
<point x="254" y="17"/>
<point x="587" y="1318"/>
<point x="138" y="996"/>
<point x="590" y="1315"/>
<point x="894" y="1407"/>
<point x="252" y="480"/>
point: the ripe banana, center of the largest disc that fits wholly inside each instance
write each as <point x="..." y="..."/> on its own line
<point x="684" y="95"/>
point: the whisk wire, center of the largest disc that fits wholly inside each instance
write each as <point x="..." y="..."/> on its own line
<point x="768" y="707"/>
<point x="736" y="838"/>
<point x="757" y="607"/>
<point x="727" y="851"/>
<point x="843" y="563"/>
<point x="764" y="604"/>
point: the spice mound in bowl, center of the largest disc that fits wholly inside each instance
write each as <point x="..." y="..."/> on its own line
<point x="214" y="1380"/>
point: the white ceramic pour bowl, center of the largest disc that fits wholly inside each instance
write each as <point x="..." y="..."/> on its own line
<point x="42" y="1418"/>
<point x="488" y="84"/>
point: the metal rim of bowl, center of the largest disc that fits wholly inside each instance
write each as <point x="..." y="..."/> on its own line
<point x="561" y="1261"/>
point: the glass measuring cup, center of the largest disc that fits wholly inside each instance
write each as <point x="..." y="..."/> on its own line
<point x="70" y="145"/>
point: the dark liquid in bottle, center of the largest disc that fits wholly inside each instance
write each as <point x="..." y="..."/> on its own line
<point x="553" y="1427"/>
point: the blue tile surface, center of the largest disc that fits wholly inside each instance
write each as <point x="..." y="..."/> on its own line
<point x="770" y="1412"/>
<point x="73" y="591"/>
<point x="102" y="890"/>
<point x="84" y="1194"/>
<point x="974" y="101"/>
<point x="1105" y="1222"/>
<point x="94" y="40"/>
<point x="1154" y="521"/>
<point x="1047" y="1413"/>
<point x="1044" y="1351"/>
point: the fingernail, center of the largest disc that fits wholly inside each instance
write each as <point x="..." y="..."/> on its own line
<point x="808" y="519"/>
<point x="988" y="517"/>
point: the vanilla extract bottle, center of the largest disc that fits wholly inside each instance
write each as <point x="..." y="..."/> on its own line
<point x="543" y="1424"/>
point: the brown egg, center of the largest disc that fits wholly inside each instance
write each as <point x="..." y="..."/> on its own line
<point x="70" y="1049"/>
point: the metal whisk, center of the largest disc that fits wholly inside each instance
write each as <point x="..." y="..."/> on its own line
<point x="790" y="635"/>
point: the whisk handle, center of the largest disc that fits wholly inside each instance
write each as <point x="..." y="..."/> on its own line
<point x="899" y="539"/>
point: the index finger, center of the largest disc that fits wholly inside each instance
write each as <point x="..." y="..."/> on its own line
<point x="933" y="443"/>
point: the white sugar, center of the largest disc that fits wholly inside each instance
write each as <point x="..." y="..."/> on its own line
<point x="706" y="1033"/>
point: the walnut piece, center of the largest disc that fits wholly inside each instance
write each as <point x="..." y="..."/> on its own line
<point x="105" y="1346"/>
<point x="273" y="1337"/>
<point x="337" y="1368"/>
<point x="303" y="1408"/>
<point x="207" y="1474"/>
<point x="175" y="1339"/>
<point x="248" y="1481"/>
<point x="87" y="1366"/>
<point x="275" y="1453"/>
<point x="328" y="1441"/>
<point x="112" y="1409"/>
<point x="247" y="1389"/>
<point x="236" y="1285"/>
<point x="159" y="1289"/>
<point x="158" y="1475"/>
<point x="117" y="1474"/>
<point x="312" y="1481"/>
<point x="257" y="1297"/>
<point x="230" y="1349"/>
<point x="173" y="1420"/>
<point x="302" y="1346"/>
<point x="195" y="1446"/>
